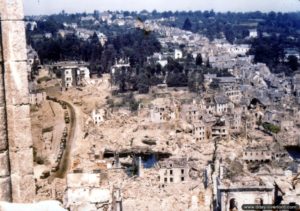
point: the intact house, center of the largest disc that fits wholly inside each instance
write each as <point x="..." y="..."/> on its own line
<point x="238" y="49"/>
<point x="173" y="170"/>
<point x="253" y="33"/>
<point x="178" y="54"/>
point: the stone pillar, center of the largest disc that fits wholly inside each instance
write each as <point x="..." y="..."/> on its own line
<point x="17" y="101"/>
<point x="117" y="160"/>
<point x="140" y="167"/>
<point x="5" y="188"/>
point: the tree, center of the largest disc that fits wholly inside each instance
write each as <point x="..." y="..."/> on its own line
<point x="199" y="60"/>
<point x="293" y="62"/>
<point x="177" y="79"/>
<point x="271" y="128"/>
<point x="143" y="83"/>
<point x="229" y="34"/>
<point x="187" y="25"/>
<point x="133" y="104"/>
<point x="208" y="63"/>
<point x="120" y="79"/>
<point x="96" y="48"/>
<point x="195" y="80"/>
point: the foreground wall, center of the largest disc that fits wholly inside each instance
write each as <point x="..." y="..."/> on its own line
<point x="5" y="189"/>
<point x="16" y="154"/>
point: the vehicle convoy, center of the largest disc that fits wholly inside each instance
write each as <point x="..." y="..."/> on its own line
<point x="67" y="117"/>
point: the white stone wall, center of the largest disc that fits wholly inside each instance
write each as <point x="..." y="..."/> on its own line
<point x="245" y="197"/>
<point x="221" y="108"/>
<point x="98" y="116"/>
<point x="37" y="99"/>
<point x="200" y="132"/>
<point x="258" y="155"/>
<point x="178" y="54"/>
<point x="173" y="175"/>
<point x="68" y="78"/>
<point x="161" y="115"/>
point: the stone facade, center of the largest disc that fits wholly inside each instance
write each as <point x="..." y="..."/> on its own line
<point x="17" y="183"/>
<point x="84" y="190"/>
<point x="174" y="170"/>
<point x="200" y="132"/>
<point x="233" y="197"/>
<point x="98" y="116"/>
<point x="37" y="98"/>
<point x="258" y="155"/>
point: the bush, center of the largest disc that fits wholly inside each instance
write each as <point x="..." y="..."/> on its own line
<point x="133" y="105"/>
<point x="131" y="102"/>
<point x="271" y="128"/>
<point x="110" y="103"/>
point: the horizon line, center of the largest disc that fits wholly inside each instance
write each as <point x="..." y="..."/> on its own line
<point x="162" y="11"/>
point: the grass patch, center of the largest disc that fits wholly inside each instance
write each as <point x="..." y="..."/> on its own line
<point x="270" y="127"/>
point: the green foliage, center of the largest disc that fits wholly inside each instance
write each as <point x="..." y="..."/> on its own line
<point x="177" y="79"/>
<point x="293" y="62"/>
<point x="133" y="105"/>
<point x="195" y="81"/>
<point x="143" y="83"/>
<point x="187" y="25"/>
<point x="229" y="33"/>
<point x="271" y="128"/>
<point x="199" y="60"/>
<point x="132" y="43"/>
<point x="267" y="50"/>
<point x="131" y="102"/>
<point x="49" y="25"/>
<point x="110" y="102"/>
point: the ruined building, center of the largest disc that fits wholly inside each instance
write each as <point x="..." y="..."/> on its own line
<point x="16" y="153"/>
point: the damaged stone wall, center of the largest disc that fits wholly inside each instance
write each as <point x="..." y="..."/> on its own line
<point x="16" y="153"/>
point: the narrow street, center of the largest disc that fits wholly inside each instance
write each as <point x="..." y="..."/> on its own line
<point x="74" y="132"/>
<point x="65" y="161"/>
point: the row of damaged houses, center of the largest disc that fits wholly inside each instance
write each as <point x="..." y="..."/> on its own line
<point x="214" y="116"/>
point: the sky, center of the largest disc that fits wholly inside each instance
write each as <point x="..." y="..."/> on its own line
<point x="40" y="7"/>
